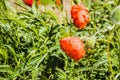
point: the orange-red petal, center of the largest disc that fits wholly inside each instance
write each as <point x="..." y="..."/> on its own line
<point x="80" y="16"/>
<point x="28" y="2"/>
<point x="73" y="47"/>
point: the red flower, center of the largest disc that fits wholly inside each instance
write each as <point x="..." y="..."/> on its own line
<point x="80" y="16"/>
<point x="28" y="2"/>
<point x="73" y="47"/>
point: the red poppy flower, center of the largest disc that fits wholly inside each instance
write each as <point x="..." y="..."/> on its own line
<point x="28" y="2"/>
<point x="73" y="47"/>
<point x="80" y="16"/>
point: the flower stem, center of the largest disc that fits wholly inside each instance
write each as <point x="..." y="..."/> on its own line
<point x="108" y="56"/>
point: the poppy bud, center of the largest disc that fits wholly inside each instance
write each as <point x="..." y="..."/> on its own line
<point x="58" y="2"/>
<point x="90" y="42"/>
<point x="80" y="16"/>
<point x="73" y="47"/>
<point x="28" y="2"/>
<point x="115" y="16"/>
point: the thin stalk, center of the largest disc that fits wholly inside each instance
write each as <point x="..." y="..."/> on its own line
<point x="71" y="1"/>
<point x="108" y="56"/>
<point x="45" y="8"/>
<point x="70" y="31"/>
<point x="117" y="31"/>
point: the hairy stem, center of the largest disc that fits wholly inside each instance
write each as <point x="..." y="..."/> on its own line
<point x="108" y="56"/>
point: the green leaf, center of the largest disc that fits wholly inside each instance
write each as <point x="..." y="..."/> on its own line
<point x="4" y="68"/>
<point x="4" y="54"/>
<point x="12" y="51"/>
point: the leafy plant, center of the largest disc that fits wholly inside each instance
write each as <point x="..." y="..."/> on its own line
<point x="29" y="44"/>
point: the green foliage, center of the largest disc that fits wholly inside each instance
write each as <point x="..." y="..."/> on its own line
<point x="29" y="45"/>
<point x="46" y="2"/>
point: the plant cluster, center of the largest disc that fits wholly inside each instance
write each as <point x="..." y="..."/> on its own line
<point x="30" y="42"/>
